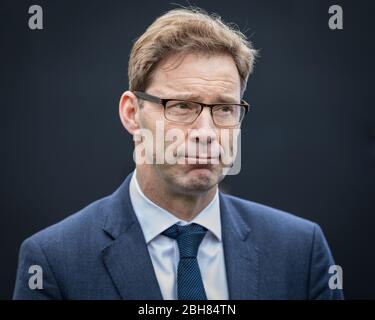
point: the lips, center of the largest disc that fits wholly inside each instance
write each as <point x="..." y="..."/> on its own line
<point x="200" y="157"/>
<point x="201" y="160"/>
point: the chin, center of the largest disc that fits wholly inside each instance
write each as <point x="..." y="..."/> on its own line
<point x="198" y="179"/>
<point x="193" y="179"/>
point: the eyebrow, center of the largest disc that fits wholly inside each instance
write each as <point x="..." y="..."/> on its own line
<point x="194" y="97"/>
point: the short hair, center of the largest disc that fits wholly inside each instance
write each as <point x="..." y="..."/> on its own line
<point x="183" y="31"/>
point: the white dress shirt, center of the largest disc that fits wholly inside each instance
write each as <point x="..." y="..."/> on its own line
<point x="164" y="251"/>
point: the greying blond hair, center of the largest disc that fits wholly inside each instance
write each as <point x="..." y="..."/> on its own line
<point x="184" y="31"/>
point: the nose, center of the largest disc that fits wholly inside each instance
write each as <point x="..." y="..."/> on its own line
<point x="203" y="129"/>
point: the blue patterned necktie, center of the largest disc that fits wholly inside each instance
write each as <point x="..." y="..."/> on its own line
<point x="189" y="279"/>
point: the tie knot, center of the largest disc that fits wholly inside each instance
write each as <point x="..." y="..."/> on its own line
<point x="188" y="238"/>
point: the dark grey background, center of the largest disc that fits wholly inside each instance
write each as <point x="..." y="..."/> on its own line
<point x="308" y="145"/>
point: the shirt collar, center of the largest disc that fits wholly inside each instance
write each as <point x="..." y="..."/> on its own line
<point x="154" y="219"/>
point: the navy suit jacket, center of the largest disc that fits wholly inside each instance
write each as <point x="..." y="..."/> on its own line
<point x="100" y="253"/>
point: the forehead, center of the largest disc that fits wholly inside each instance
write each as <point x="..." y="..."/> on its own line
<point x="197" y="75"/>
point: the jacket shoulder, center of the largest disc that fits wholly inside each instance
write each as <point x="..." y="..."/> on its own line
<point x="265" y="218"/>
<point x="79" y="226"/>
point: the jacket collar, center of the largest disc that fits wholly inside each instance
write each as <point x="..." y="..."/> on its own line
<point x="240" y="252"/>
<point x="127" y="259"/>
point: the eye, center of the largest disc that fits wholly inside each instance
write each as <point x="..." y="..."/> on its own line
<point x="182" y="105"/>
<point x="225" y="110"/>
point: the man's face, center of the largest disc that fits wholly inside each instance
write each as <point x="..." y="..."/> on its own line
<point x="206" y="79"/>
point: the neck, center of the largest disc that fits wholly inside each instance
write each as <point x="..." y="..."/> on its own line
<point x="184" y="206"/>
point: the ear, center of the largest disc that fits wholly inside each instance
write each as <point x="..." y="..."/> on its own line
<point x="128" y="108"/>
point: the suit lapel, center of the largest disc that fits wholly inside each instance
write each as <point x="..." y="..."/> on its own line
<point x="127" y="259"/>
<point x="240" y="252"/>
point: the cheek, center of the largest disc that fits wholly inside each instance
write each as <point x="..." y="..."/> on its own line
<point x="149" y="117"/>
<point x="228" y="140"/>
<point x="174" y="134"/>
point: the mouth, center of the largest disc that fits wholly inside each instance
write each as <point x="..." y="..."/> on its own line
<point x="201" y="160"/>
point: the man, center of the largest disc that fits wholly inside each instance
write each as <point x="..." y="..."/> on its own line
<point x="167" y="232"/>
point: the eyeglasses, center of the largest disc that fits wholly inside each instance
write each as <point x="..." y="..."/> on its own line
<point x="186" y="112"/>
